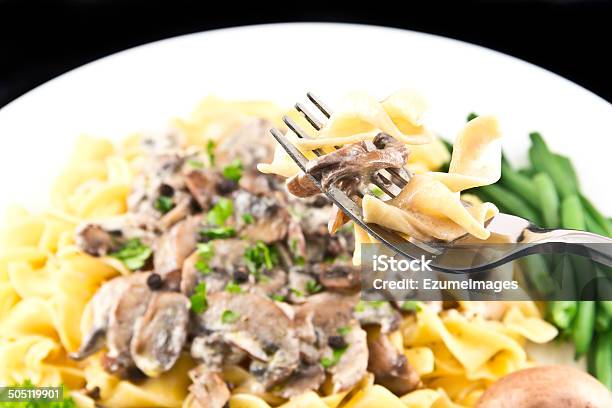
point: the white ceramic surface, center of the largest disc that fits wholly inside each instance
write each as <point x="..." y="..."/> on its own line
<point x="143" y="87"/>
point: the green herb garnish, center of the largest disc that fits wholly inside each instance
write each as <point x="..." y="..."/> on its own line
<point x="411" y="306"/>
<point x="296" y="292"/>
<point x="337" y="354"/>
<point x="278" y="298"/>
<point x="196" y="164"/>
<point x="210" y="152"/>
<point x="229" y="316"/>
<point x="377" y="191"/>
<point x="205" y="253"/>
<point x="233" y="287"/>
<point x="220" y="212"/>
<point x="259" y="255"/>
<point x="248" y="218"/>
<point x="219" y="232"/>
<point x="163" y="204"/>
<point x="233" y="171"/>
<point x="133" y="254"/>
<point x="344" y="330"/>
<point x="471" y="116"/>
<point x="312" y="286"/>
<point x="199" y="303"/>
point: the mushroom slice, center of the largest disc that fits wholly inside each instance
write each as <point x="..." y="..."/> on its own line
<point x="208" y="388"/>
<point x="339" y="276"/>
<point x="202" y="185"/>
<point x="100" y="307"/>
<point x="95" y="240"/>
<point x="546" y="387"/>
<point x="159" y="335"/>
<point x="305" y="378"/>
<point x="256" y="183"/>
<point x="379" y="313"/>
<point x="250" y="144"/>
<point x="130" y="306"/>
<point x="173" y="247"/>
<point x="389" y="366"/>
<point x="176" y="214"/>
<point x="270" y="216"/>
<point x="258" y="326"/>
<point x="353" y="364"/>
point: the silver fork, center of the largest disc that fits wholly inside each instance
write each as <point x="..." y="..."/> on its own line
<point x="524" y="237"/>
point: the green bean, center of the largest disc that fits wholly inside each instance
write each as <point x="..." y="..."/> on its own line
<point x="603" y="359"/>
<point x="548" y="200"/>
<point x="510" y="202"/>
<point x="536" y="268"/>
<point x="602" y="320"/>
<point x="593" y="226"/>
<point x="572" y="215"/>
<point x="519" y="184"/>
<point x="582" y="329"/>
<point x="568" y="167"/>
<point x="562" y="312"/>
<point x="597" y="216"/>
<point x="544" y="161"/>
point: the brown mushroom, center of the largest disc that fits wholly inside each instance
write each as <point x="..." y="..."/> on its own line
<point x="208" y="388"/>
<point x="546" y="387"/>
<point x="159" y="335"/>
<point x="389" y="366"/>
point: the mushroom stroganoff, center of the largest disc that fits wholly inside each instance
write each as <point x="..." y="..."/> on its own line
<point x="181" y="269"/>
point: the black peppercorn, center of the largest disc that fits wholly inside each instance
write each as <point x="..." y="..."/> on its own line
<point x="154" y="281"/>
<point x="336" y="342"/>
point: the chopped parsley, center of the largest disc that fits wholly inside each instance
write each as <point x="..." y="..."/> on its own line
<point x="296" y="292"/>
<point x="411" y="306"/>
<point x="259" y="255"/>
<point x="337" y="354"/>
<point x="199" y="303"/>
<point x="163" y="204"/>
<point x="377" y="191"/>
<point x="196" y="164"/>
<point x="344" y="330"/>
<point x="312" y="286"/>
<point x="233" y="287"/>
<point x="471" y="116"/>
<point x="278" y="298"/>
<point x="205" y="253"/>
<point x="210" y="152"/>
<point x="233" y="171"/>
<point x="220" y="212"/>
<point x="229" y="316"/>
<point x="219" y="232"/>
<point x="248" y="218"/>
<point x="134" y="254"/>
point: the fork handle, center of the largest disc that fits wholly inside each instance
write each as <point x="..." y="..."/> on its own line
<point x="594" y="246"/>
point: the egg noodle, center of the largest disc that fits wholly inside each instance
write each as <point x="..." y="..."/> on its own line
<point x="46" y="281"/>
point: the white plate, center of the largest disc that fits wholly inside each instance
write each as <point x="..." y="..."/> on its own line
<point x="143" y="87"/>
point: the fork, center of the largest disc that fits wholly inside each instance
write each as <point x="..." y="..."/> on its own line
<point x="523" y="237"/>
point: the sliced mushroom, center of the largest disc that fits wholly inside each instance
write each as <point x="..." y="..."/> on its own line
<point x="379" y="313"/>
<point x="339" y="276"/>
<point x="173" y="247"/>
<point x="180" y="210"/>
<point x="208" y="388"/>
<point x="95" y="240"/>
<point x="306" y="378"/>
<point x="350" y="166"/>
<point x="130" y="306"/>
<point x="353" y="364"/>
<point x="159" y="335"/>
<point x="389" y="366"/>
<point x="255" y="183"/>
<point x="202" y="185"/>
<point x="256" y="325"/>
<point x="270" y="216"/>
<point x="546" y="387"/>
<point x="250" y="144"/>
<point x="100" y="307"/>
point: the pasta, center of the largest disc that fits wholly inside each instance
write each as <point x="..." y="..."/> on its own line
<point x="47" y="281"/>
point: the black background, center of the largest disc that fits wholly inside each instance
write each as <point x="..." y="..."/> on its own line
<point x="42" y="39"/>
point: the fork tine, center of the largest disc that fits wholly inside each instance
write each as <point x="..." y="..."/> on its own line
<point x="320" y="105"/>
<point x="290" y="148"/>
<point x="295" y="128"/>
<point x="309" y="116"/>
